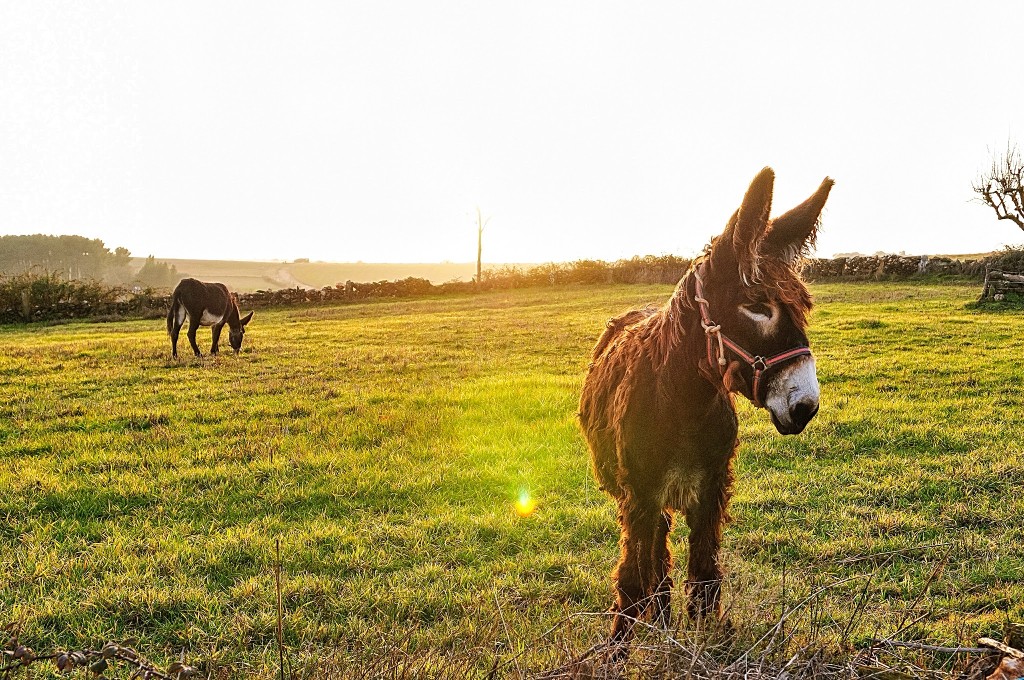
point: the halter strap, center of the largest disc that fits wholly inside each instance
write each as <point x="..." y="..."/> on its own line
<point x="716" y="338"/>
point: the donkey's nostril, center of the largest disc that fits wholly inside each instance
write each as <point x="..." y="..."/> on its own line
<point x="802" y="412"/>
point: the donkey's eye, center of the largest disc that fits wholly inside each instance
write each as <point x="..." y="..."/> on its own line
<point x="760" y="309"/>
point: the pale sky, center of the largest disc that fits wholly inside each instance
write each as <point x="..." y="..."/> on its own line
<point x="371" y="130"/>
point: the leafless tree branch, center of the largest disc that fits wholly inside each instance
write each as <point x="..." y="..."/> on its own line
<point x="1002" y="186"/>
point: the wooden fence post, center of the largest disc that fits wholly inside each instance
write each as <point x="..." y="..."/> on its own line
<point x="26" y="305"/>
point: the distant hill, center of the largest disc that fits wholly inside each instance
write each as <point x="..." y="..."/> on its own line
<point x="964" y="256"/>
<point x="968" y="256"/>
<point x="247" y="276"/>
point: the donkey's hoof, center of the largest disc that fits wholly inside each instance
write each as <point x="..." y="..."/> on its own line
<point x="661" y="609"/>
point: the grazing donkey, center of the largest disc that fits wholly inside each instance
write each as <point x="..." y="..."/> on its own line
<point x="206" y="304"/>
<point x="657" y="408"/>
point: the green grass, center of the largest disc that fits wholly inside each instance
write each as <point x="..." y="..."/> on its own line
<point x="384" y="445"/>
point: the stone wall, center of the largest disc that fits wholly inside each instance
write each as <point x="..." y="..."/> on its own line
<point x="49" y="298"/>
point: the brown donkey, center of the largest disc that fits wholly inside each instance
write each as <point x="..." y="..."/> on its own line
<point x="657" y="407"/>
<point x="205" y="304"/>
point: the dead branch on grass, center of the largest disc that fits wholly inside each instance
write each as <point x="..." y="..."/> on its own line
<point x="97" y="661"/>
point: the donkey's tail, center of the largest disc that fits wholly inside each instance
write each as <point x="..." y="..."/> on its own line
<point x="173" y="311"/>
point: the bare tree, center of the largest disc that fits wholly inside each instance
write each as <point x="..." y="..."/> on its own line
<point x="1002" y="187"/>
<point x="480" y="224"/>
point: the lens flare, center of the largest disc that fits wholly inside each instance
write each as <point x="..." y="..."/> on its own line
<point x="524" y="504"/>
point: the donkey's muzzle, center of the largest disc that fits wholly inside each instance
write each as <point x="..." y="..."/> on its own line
<point x="793" y="396"/>
<point x="803" y="412"/>
<point x="800" y="415"/>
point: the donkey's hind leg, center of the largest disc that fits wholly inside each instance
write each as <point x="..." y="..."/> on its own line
<point x="634" y="576"/>
<point x="175" y="329"/>
<point x="193" y="326"/>
<point x="176" y="321"/>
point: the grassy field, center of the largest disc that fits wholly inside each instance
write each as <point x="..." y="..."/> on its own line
<point x="385" y="444"/>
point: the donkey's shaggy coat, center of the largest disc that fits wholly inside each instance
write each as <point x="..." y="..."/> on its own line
<point x="657" y="408"/>
<point x="205" y="304"/>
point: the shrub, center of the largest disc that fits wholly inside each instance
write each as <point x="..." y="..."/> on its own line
<point x="51" y="296"/>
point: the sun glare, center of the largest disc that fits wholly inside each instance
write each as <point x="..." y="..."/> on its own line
<point x="524" y="504"/>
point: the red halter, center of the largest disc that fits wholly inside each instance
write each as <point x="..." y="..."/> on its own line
<point x="760" y="365"/>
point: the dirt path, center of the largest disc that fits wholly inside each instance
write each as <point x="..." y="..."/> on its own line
<point x="286" y="280"/>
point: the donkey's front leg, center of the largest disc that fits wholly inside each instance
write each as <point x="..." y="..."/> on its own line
<point x="662" y="556"/>
<point x="634" y="576"/>
<point x="216" y="338"/>
<point x="706" y="517"/>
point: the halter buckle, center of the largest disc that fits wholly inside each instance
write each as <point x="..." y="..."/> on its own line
<point x="759" y="364"/>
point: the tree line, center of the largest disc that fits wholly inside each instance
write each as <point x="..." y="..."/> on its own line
<point x="77" y="258"/>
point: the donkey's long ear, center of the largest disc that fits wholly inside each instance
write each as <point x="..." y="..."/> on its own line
<point x="794" y="233"/>
<point x="245" y="319"/>
<point x="747" y="227"/>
